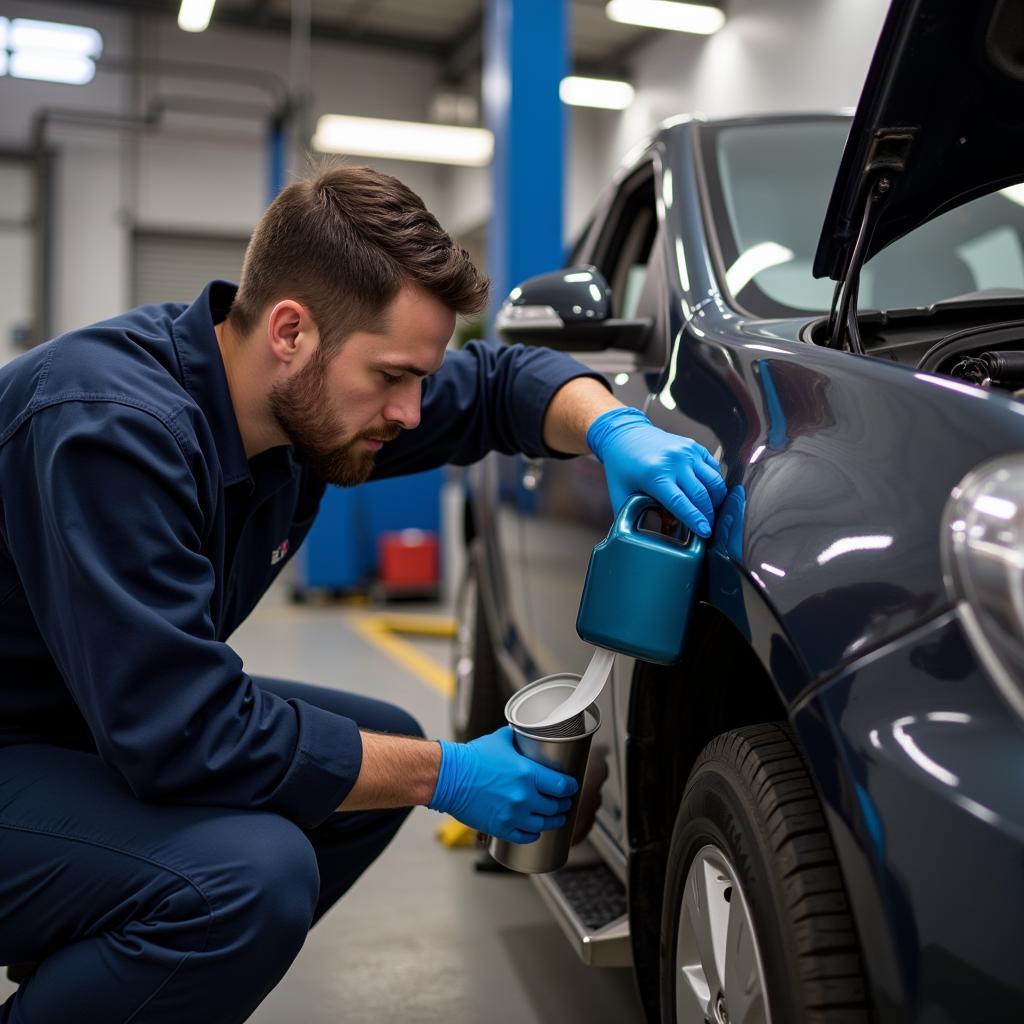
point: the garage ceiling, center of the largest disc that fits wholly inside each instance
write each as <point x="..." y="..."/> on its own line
<point x="447" y="30"/>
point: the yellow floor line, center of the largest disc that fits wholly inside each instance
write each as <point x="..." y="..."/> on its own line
<point x="418" y="625"/>
<point x="377" y="631"/>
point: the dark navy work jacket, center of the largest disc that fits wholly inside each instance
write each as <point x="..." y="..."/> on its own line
<point x="135" y="536"/>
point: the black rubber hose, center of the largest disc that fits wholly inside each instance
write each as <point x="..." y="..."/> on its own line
<point x="1006" y="368"/>
<point x="970" y="340"/>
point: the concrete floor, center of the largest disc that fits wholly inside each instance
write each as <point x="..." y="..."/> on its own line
<point x="422" y="937"/>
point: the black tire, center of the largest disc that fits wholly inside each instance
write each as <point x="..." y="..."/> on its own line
<point x="478" y="705"/>
<point x="750" y="798"/>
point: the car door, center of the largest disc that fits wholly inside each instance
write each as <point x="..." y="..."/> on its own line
<point x="568" y="510"/>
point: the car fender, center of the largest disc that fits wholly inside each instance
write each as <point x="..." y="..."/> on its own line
<point x="838" y="470"/>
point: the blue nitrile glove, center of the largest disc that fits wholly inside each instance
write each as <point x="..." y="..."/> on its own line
<point x="488" y="785"/>
<point x="677" y="472"/>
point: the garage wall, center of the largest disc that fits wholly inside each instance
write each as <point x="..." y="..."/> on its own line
<point x="209" y="174"/>
<point x="16" y="253"/>
<point x="196" y="173"/>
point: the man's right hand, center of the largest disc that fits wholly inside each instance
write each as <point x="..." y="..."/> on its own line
<point x="488" y="785"/>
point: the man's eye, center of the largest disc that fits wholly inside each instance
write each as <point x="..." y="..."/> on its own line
<point x="390" y="378"/>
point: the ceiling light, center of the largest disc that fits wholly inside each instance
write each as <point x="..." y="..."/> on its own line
<point x="667" y="14"/>
<point x="48" y="66"/>
<point x="404" y="140"/>
<point x="194" y="15"/>
<point x="48" y="51"/>
<point x="604" y="93"/>
<point x="53" y="37"/>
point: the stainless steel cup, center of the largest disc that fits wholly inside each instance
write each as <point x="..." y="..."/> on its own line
<point x="566" y="754"/>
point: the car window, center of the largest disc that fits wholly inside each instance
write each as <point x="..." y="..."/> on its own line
<point x="624" y="249"/>
<point x="769" y="186"/>
<point x="975" y="247"/>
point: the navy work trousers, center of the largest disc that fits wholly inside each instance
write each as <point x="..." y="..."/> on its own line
<point x="145" y="913"/>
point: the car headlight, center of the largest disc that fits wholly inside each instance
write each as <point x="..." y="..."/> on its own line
<point x="983" y="561"/>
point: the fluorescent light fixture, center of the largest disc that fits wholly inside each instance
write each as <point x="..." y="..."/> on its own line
<point x="667" y="14"/>
<point x="194" y="15"/>
<point x="404" y="140"/>
<point x="605" y="93"/>
<point x="750" y="263"/>
<point x="48" y="51"/>
<point x="48" y="66"/>
<point x="54" y="37"/>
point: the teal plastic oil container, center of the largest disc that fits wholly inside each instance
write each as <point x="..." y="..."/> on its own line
<point x="640" y="588"/>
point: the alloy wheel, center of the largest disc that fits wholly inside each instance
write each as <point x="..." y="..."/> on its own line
<point x="719" y="975"/>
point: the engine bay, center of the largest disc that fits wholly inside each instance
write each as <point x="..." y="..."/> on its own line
<point x="954" y="343"/>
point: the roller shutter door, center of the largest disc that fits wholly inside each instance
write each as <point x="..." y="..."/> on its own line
<point x="170" y="267"/>
<point x="17" y="256"/>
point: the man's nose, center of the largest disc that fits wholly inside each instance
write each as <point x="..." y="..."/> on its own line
<point x="405" y="409"/>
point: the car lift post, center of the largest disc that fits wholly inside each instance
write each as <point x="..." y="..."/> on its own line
<point x="526" y="55"/>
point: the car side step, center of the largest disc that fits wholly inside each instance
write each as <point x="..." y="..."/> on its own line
<point x="590" y="905"/>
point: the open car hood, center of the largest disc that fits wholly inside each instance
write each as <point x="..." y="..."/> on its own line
<point x="941" y="117"/>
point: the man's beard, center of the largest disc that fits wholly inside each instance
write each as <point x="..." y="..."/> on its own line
<point x="300" y="407"/>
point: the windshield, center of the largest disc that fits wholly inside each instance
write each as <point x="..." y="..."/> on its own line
<point x="769" y="186"/>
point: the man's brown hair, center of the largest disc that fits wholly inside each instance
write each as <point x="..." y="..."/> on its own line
<point x="343" y="242"/>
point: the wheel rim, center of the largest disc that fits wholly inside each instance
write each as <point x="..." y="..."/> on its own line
<point x="463" y="657"/>
<point x="719" y="978"/>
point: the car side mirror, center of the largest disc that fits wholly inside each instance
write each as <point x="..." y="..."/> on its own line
<point x="569" y="310"/>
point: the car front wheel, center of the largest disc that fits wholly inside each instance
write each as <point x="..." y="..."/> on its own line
<point x="756" y="927"/>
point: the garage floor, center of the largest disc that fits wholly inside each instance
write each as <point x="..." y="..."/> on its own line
<point x="422" y="937"/>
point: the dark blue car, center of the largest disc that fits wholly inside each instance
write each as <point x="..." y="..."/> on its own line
<point x="817" y="815"/>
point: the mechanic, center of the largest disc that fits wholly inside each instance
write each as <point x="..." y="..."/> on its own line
<point x="171" y="827"/>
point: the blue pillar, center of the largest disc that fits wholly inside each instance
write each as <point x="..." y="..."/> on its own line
<point x="276" y="149"/>
<point x="526" y="55"/>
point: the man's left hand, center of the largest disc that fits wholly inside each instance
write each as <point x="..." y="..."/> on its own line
<point x="677" y="472"/>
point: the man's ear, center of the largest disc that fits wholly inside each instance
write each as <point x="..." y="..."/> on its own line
<point x="290" y="330"/>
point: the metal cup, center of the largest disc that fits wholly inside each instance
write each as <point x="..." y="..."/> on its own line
<point x="567" y="754"/>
